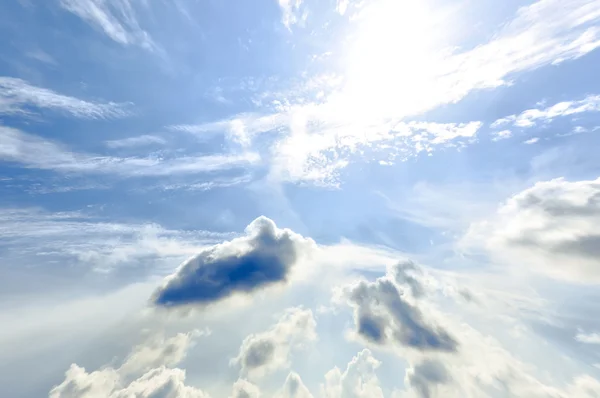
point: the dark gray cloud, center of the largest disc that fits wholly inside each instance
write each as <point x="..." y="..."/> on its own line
<point x="267" y="351"/>
<point x="384" y="315"/>
<point x="554" y="226"/>
<point x="265" y="256"/>
<point x="405" y="273"/>
<point x="426" y="376"/>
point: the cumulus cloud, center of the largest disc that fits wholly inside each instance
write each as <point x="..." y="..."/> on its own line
<point x="425" y="376"/>
<point x="553" y="227"/>
<point x="268" y="351"/>
<point x="385" y="315"/>
<point x="502" y="135"/>
<point x="264" y="257"/>
<point x="146" y="373"/>
<point x="17" y="96"/>
<point x="470" y="363"/>
<point x="244" y="389"/>
<point x="294" y="387"/>
<point x="358" y="380"/>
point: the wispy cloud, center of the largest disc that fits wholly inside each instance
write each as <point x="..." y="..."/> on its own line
<point x="19" y="97"/>
<point x="142" y="140"/>
<point x="591" y="338"/>
<point x="241" y="128"/>
<point x="27" y="233"/>
<point x="37" y="153"/>
<point x="41" y="56"/>
<point x="501" y="135"/>
<point x="531" y="117"/>
<point x="531" y="141"/>
<point x="116" y="18"/>
<point x="290" y="10"/>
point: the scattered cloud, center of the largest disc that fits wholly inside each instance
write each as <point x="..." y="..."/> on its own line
<point x="591" y="338"/>
<point x="244" y="389"/>
<point x="77" y="238"/>
<point x="552" y="227"/>
<point x="531" y="117"/>
<point x="341" y="6"/>
<point x="141" y="140"/>
<point x="294" y="387"/>
<point x="117" y="19"/>
<point x="264" y="257"/>
<point x="132" y="379"/>
<point x="290" y="10"/>
<point x="530" y="141"/>
<point x="358" y="380"/>
<point x="265" y="352"/>
<point x="385" y="316"/>
<point x="501" y="135"/>
<point x="240" y="129"/>
<point x="37" y="153"/>
<point x="18" y="97"/>
<point x="470" y="363"/>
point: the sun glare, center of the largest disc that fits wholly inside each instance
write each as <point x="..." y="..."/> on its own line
<point x="391" y="64"/>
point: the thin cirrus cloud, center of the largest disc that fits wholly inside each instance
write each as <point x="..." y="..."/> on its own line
<point x="18" y="97"/>
<point x="117" y="19"/>
<point x="141" y="140"/>
<point x="92" y="242"/>
<point x="531" y="117"/>
<point x="37" y="153"/>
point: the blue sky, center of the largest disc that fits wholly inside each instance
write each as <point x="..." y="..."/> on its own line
<point x="426" y="172"/>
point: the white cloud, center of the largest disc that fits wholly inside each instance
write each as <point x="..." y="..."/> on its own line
<point x="341" y="6"/>
<point x="553" y="227"/>
<point x="244" y="389"/>
<point x="142" y="140"/>
<point x="531" y="117"/>
<point x="591" y="338"/>
<point x="78" y="238"/>
<point x="294" y="387"/>
<point x="478" y="365"/>
<point x="263" y="353"/>
<point x="159" y="351"/>
<point x="37" y="153"/>
<point x="290" y="10"/>
<point x="159" y="381"/>
<point x="19" y="97"/>
<point x="530" y="141"/>
<point x="501" y="135"/>
<point x="358" y="380"/>
<point x="116" y="18"/>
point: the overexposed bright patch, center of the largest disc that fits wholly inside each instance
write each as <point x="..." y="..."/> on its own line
<point x="391" y="66"/>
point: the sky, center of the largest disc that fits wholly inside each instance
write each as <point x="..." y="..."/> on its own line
<point x="299" y="198"/>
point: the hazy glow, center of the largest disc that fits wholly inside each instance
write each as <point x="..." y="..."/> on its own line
<point x="393" y="63"/>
